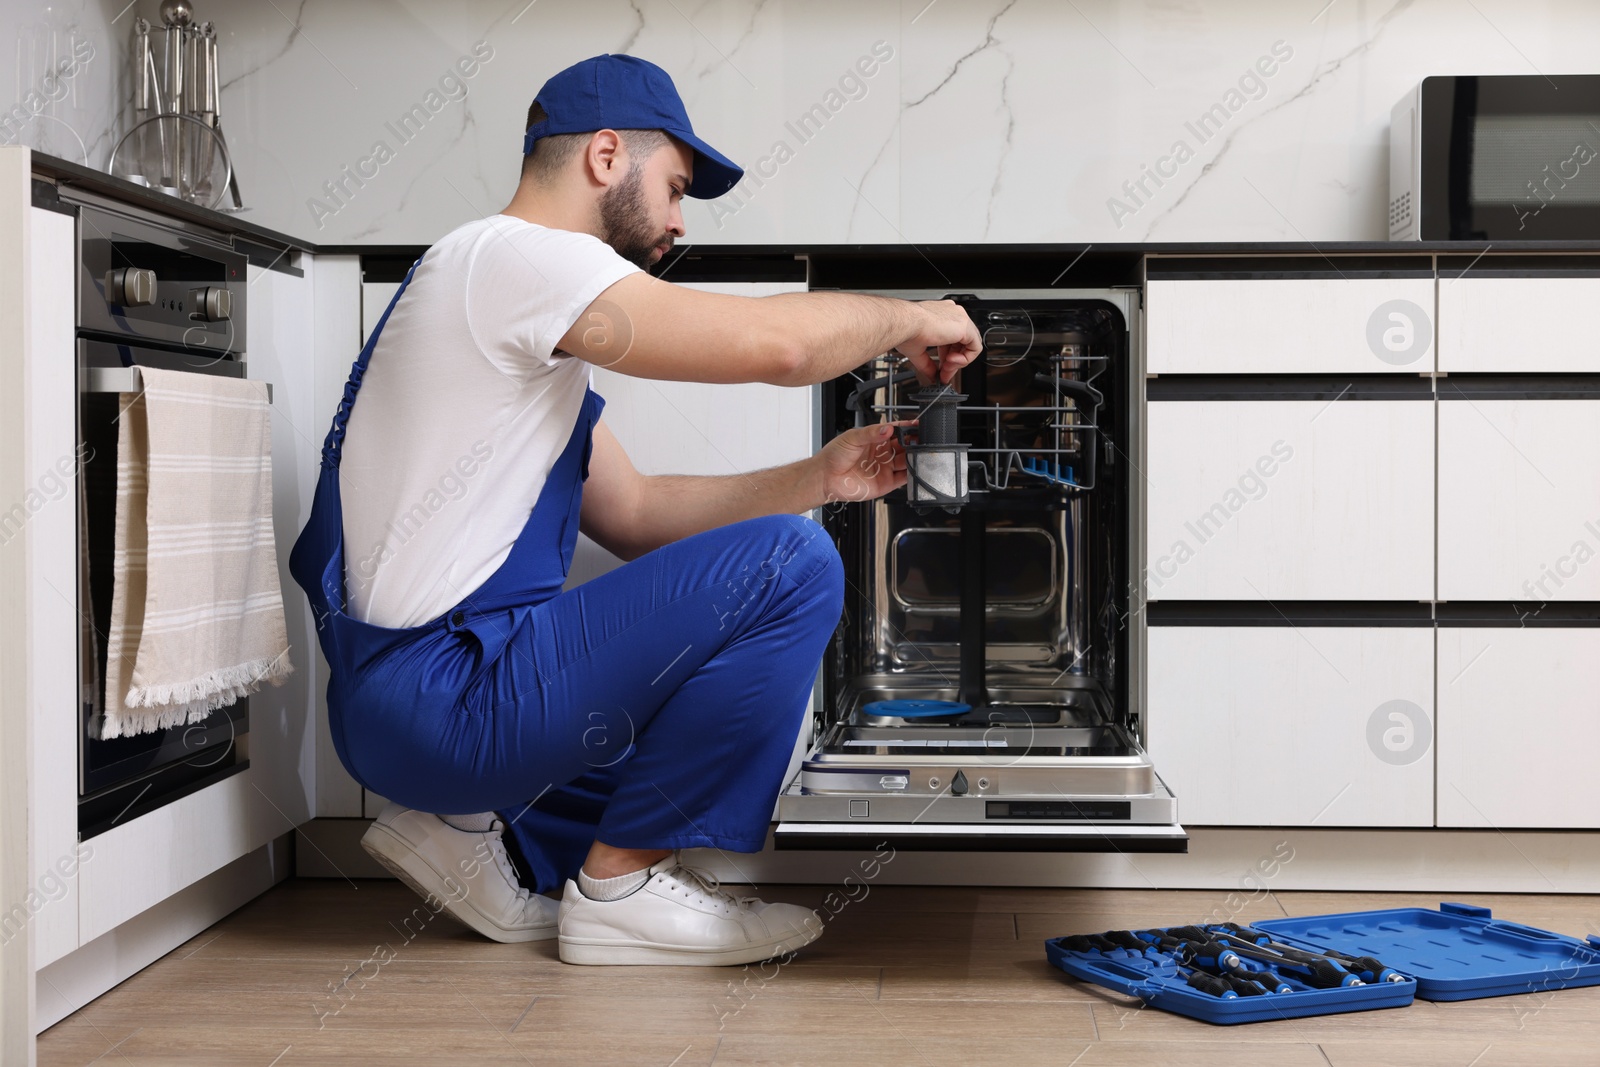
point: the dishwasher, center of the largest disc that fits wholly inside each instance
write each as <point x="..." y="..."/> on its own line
<point x="983" y="690"/>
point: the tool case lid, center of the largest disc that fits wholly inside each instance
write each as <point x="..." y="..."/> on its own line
<point x="1460" y="952"/>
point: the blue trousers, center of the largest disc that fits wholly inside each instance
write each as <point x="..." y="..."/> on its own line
<point x="655" y="706"/>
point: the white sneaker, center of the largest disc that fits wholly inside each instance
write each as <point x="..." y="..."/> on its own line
<point x="680" y="916"/>
<point x="470" y="873"/>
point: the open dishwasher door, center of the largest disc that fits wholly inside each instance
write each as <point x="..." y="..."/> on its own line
<point x="979" y="693"/>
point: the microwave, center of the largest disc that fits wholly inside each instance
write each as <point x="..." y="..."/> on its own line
<point x="1496" y="158"/>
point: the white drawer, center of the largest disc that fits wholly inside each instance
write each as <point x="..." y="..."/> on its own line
<point x="1285" y="726"/>
<point x="1519" y="325"/>
<point x="1519" y="500"/>
<point x="1289" y="326"/>
<point x="1295" y="500"/>
<point x="1519" y="724"/>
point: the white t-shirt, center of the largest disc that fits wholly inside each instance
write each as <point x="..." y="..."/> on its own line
<point x="462" y="412"/>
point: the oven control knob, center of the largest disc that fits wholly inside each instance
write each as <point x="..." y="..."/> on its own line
<point x="131" y="287"/>
<point x="958" y="785"/>
<point x="214" y="303"/>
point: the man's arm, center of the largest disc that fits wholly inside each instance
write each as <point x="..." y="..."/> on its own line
<point x="629" y="514"/>
<point x="649" y="328"/>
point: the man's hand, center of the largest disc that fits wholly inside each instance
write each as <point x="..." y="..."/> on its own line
<point x="629" y="514"/>
<point x="863" y="463"/>
<point x="946" y="341"/>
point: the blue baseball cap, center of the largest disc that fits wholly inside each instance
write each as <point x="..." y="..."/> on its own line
<point x="625" y="93"/>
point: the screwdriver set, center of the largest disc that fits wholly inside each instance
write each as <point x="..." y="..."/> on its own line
<point x="1320" y="965"/>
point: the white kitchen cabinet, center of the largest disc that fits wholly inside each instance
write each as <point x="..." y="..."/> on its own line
<point x="281" y="348"/>
<point x="339" y="310"/>
<point x="1519" y="325"/>
<point x="1289" y="500"/>
<point x="1293" y="726"/>
<point x="49" y="512"/>
<point x="1519" y="500"/>
<point x="1518" y="727"/>
<point x="1289" y="326"/>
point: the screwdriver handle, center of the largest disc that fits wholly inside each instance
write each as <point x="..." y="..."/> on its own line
<point x="1246" y="932"/>
<point x="1243" y="986"/>
<point x="1210" y="983"/>
<point x="1368" y="968"/>
<point x="1126" y="939"/>
<point x="1267" y="980"/>
<point x="1325" y="974"/>
<point x="1211" y="955"/>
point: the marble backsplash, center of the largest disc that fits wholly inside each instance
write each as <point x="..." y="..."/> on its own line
<point x="390" y="122"/>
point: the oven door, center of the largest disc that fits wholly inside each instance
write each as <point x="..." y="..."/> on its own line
<point x="121" y="778"/>
<point x="983" y="690"/>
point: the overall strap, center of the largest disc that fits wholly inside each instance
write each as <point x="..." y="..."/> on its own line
<point x="333" y="444"/>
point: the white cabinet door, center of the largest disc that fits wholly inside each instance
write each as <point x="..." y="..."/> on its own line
<point x="1519" y="500"/>
<point x="1519" y="325"/>
<point x="1289" y="326"/>
<point x="1519" y="725"/>
<point x="279" y="345"/>
<point x="1293" y="726"/>
<point x="339" y="306"/>
<point x="48" y="516"/>
<point x="1292" y="500"/>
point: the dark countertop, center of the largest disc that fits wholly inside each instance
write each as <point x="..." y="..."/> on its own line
<point x="1039" y="265"/>
<point x="68" y="175"/>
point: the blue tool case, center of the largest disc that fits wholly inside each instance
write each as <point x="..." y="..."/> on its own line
<point x="1328" y="964"/>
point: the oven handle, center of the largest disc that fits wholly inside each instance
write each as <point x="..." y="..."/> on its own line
<point x="121" y="380"/>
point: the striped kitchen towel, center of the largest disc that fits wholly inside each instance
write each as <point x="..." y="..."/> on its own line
<point x="196" y="605"/>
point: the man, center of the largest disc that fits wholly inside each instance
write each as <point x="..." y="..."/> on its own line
<point x="655" y="707"/>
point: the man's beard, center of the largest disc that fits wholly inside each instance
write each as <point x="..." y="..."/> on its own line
<point x="625" y="221"/>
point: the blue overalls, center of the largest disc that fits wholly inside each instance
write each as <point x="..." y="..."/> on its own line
<point x="655" y="706"/>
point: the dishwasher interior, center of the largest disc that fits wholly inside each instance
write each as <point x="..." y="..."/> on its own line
<point x="978" y="693"/>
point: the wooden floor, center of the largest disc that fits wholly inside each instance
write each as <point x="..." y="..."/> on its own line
<point x="345" y="972"/>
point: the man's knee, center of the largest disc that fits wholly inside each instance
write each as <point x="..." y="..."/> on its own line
<point x="799" y="548"/>
<point x="824" y="558"/>
<point x="792" y="565"/>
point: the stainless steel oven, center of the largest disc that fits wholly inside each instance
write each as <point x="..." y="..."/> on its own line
<point x="149" y="295"/>
<point x="983" y="690"/>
